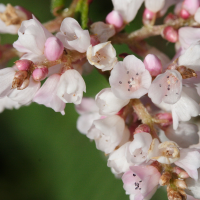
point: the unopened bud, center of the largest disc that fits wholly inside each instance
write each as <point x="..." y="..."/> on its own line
<point x="53" y="48"/>
<point x="115" y="19"/>
<point x="180" y="172"/>
<point x="94" y="40"/>
<point x="153" y="64"/>
<point x="165" y="116"/>
<point x="165" y="178"/>
<point x="180" y="184"/>
<point x="19" y="78"/>
<point x="40" y="73"/>
<point x="24" y="84"/>
<point x="184" y="14"/>
<point x="176" y="194"/>
<point x="148" y="17"/>
<point x="23" y="65"/>
<point x="170" y="34"/>
<point x="142" y="128"/>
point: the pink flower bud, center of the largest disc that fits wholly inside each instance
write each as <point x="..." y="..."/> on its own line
<point x="191" y="6"/>
<point x="148" y="16"/>
<point x="115" y="19"/>
<point x="153" y="64"/>
<point x="26" y="12"/>
<point x="165" y="116"/>
<point x="184" y="14"/>
<point x="23" y="65"/>
<point x="53" y="48"/>
<point x="94" y="40"/>
<point x="170" y="34"/>
<point x="181" y="173"/>
<point x="40" y="74"/>
<point x="142" y="128"/>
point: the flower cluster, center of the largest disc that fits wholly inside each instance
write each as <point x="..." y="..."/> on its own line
<point x="143" y="121"/>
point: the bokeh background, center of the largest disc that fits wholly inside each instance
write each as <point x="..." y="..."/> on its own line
<point x="42" y="155"/>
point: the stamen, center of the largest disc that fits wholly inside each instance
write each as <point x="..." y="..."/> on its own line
<point x="134" y="174"/>
<point x="127" y="72"/>
<point x="120" y="82"/>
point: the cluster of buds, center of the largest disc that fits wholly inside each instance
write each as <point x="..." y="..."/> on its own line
<point x="142" y="121"/>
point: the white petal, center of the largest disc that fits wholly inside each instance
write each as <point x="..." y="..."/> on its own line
<point x="154" y="5"/>
<point x="108" y="103"/>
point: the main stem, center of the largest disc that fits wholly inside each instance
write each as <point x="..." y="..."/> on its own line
<point x="144" y="115"/>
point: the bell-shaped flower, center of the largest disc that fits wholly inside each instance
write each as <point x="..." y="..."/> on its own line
<point x="102" y="56"/>
<point x="191" y="57"/>
<point x="118" y="159"/>
<point x="182" y="110"/>
<point x="141" y="181"/>
<point x="185" y="135"/>
<point x="26" y="95"/>
<point x="102" y="31"/>
<point x="127" y="8"/>
<point x="193" y="186"/>
<point x="166" y="87"/>
<point x="32" y="37"/>
<point x="188" y="36"/>
<point x="166" y="152"/>
<point x="89" y="112"/>
<point x="139" y="148"/>
<point x="154" y="5"/>
<point x="107" y="133"/>
<point x="7" y="103"/>
<point x="47" y="96"/>
<point x="129" y="79"/>
<point x="71" y="87"/>
<point x="6" y="79"/>
<point x="108" y="103"/>
<point x="189" y="161"/>
<point x="73" y="36"/>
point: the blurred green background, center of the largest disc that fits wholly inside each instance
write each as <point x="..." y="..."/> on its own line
<point x="42" y="155"/>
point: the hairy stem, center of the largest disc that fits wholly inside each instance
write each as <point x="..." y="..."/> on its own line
<point x="144" y="115"/>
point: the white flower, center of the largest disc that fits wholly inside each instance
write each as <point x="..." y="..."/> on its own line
<point x="129" y="79"/>
<point x="107" y="133"/>
<point x="102" y="31"/>
<point x="71" y="87"/>
<point x="73" y="36"/>
<point x="154" y="5"/>
<point x="139" y="148"/>
<point x="191" y="57"/>
<point x="197" y="15"/>
<point x="32" y="37"/>
<point x="189" y="161"/>
<point x="102" y="56"/>
<point x="108" y="103"/>
<point x="166" y="87"/>
<point x="47" y="94"/>
<point x="7" y="103"/>
<point x="182" y="110"/>
<point x="26" y="95"/>
<point x="185" y="135"/>
<point x="127" y="8"/>
<point x="89" y="112"/>
<point x="193" y="186"/>
<point x="118" y="159"/>
<point x="6" y="79"/>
